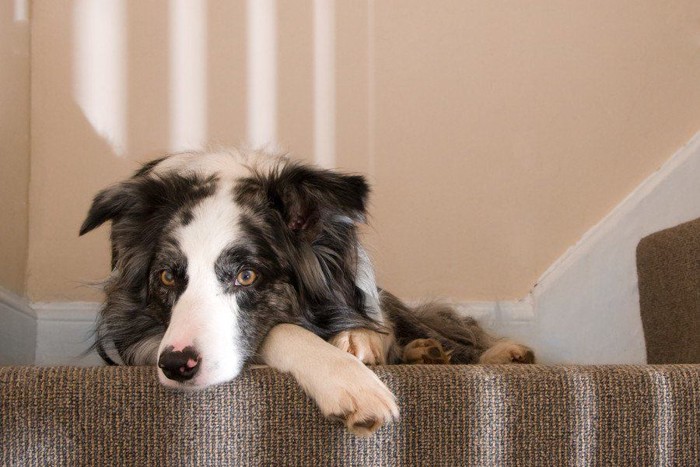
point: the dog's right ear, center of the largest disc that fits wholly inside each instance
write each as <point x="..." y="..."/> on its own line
<point x="147" y="201"/>
<point x="108" y="204"/>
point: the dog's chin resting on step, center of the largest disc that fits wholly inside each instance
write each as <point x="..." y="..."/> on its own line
<point x="228" y="258"/>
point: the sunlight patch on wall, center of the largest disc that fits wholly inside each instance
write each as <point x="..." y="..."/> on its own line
<point x="99" y="69"/>
<point x="21" y="11"/>
<point x="262" y="72"/>
<point x="324" y="82"/>
<point x="188" y="74"/>
<point x="371" y="92"/>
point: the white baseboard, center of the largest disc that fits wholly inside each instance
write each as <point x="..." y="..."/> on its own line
<point x="46" y="333"/>
<point x="505" y="311"/>
<point x="64" y="333"/>
<point x="18" y="330"/>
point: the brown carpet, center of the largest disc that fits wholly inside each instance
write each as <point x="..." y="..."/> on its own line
<point x="451" y="415"/>
<point x="668" y="266"/>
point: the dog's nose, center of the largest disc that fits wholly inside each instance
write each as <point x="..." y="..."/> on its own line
<point x="179" y="365"/>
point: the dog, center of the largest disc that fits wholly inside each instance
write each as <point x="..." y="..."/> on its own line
<point x="222" y="259"/>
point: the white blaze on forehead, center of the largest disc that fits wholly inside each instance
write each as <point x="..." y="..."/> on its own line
<point x="205" y="317"/>
<point x="214" y="226"/>
<point x="230" y="165"/>
<point x="226" y="164"/>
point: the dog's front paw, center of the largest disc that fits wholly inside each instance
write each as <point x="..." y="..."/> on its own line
<point x="507" y="352"/>
<point x="352" y="393"/>
<point x="365" y="344"/>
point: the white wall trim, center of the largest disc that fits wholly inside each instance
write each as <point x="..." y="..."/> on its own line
<point x="57" y="333"/>
<point x="15" y="303"/>
<point x="18" y="330"/>
<point x="64" y="333"/>
<point x="494" y="313"/>
<point x="66" y="311"/>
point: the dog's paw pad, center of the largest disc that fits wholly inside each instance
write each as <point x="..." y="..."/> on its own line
<point x="425" y="351"/>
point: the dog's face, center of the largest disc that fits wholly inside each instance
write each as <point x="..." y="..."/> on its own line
<point x="210" y="251"/>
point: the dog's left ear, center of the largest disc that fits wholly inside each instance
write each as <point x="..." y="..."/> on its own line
<point x="306" y="196"/>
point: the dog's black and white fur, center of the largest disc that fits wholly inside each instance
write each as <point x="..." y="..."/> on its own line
<point x="227" y="258"/>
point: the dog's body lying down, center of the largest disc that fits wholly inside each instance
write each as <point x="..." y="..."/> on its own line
<point x="222" y="259"/>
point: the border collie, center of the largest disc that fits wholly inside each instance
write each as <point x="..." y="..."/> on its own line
<point x="227" y="258"/>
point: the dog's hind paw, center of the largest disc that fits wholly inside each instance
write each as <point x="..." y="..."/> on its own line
<point x="365" y="344"/>
<point x="504" y="352"/>
<point x="425" y="351"/>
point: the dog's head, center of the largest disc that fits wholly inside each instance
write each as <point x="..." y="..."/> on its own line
<point x="210" y="251"/>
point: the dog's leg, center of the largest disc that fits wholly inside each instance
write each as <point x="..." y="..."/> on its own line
<point x="371" y="347"/>
<point x="339" y="383"/>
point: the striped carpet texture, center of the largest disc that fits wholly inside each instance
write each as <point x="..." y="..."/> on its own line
<point x="451" y="415"/>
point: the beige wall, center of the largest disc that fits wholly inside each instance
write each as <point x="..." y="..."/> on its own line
<point x="14" y="144"/>
<point x="495" y="133"/>
<point x="507" y="129"/>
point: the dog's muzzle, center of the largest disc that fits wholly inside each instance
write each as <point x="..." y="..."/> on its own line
<point x="179" y="365"/>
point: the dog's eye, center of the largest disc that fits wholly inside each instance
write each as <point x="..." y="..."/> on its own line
<point x="167" y="278"/>
<point x="246" y="277"/>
